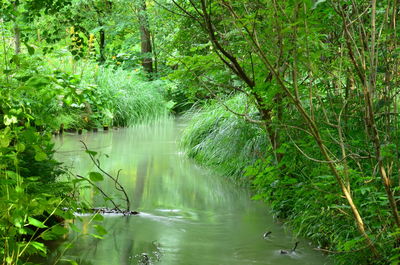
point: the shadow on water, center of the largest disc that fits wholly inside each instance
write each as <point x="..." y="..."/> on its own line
<point x="189" y="215"/>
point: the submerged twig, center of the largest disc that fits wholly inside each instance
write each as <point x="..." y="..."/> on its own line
<point x="101" y="191"/>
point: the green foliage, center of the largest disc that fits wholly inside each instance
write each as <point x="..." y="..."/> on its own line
<point x="307" y="197"/>
<point x="219" y="138"/>
<point x="125" y="98"/>
<point x="303" y="193"/>
<point x="94" y="98"/>
<point x="31" y="201"/>
<point x="303" y="69"/>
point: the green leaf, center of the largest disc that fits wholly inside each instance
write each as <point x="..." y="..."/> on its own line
<point x="23" y="231"/>
<point x="36" y="222"/>
<point x="101" y="231"/>
<point x="68" y="100"/>
<point x="15" y="59"/>
<point x="95" y="176"/>
<point x="170" y="104"/>
<point x="8" y="120"/>
<point x="20" y="147"/>
<point x="40" y="156"/>
<point x="73" y="262"/>
<point x="5" y="141"/>
<point x="96" y="236"/>
<point x="39" y="246"/>
<point x="92" y="153"/>
<point x="31" y="50"/>
<point x="19" y="189"/>
<point x="38" y="81"/>
<point x="18" y="222"/>
<point x="54" y="233"/>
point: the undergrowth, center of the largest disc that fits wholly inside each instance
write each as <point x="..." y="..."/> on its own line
<point x="298" y="190"/>
<point x="218" y="138"/>
<point x="86" y="96"/>
<point x="126" y="98"/>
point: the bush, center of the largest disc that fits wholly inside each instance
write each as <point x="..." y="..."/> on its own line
<point x="31" y="200"/>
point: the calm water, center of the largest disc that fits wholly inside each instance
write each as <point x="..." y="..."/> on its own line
<point x="189" y="215"/>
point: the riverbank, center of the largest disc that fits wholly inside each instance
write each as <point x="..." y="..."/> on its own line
<point x="302" y="193"/>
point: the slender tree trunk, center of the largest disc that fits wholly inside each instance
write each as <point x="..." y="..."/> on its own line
<point x="17" y="39"/>
<point x="145" y="37"/>
<point x="102" y="45"/>
<point x="153" y="44"/>
<point x="17" y="32"/>
<point x="101" y="13"/>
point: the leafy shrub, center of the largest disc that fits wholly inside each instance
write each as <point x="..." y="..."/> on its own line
<point x="31" y="201"/>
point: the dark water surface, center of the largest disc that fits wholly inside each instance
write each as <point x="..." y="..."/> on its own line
<point x="189" y="215"/>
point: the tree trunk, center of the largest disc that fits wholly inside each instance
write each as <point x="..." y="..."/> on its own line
<point x="154" y="53"/>
<point x="17" y="39"/>
<point x="17" y="32"/>
<point x="145" y="38"/>
<point x="102" y="45"/>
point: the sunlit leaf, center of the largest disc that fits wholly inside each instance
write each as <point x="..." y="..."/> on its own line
<point x="8" y="120"/>
<point x="40" y="156"/>
<point x="36" y="223"/>
<point x="39" y="246"/>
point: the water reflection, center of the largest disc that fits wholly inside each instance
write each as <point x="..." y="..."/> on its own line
<point x="188" y="214"/>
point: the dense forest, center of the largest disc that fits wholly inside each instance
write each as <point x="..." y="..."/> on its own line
<point x="297" y="99"/>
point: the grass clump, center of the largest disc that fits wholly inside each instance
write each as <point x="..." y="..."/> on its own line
<point x="90" y="98"/>
<point x="125" y="98"/>
<point x="217" y="137"/>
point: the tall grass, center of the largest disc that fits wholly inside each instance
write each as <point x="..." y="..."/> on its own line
<point x="219" y="138"/>
<point x="128" y="98"/>
<point x="115" y="97"/>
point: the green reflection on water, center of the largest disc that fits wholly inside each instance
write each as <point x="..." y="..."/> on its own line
<point x="189" y="215"/>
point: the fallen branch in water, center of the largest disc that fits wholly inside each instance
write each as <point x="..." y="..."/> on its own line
<point x="101" y="210"/>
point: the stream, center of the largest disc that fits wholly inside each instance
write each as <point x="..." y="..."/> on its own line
<point x="189" y="215"/>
